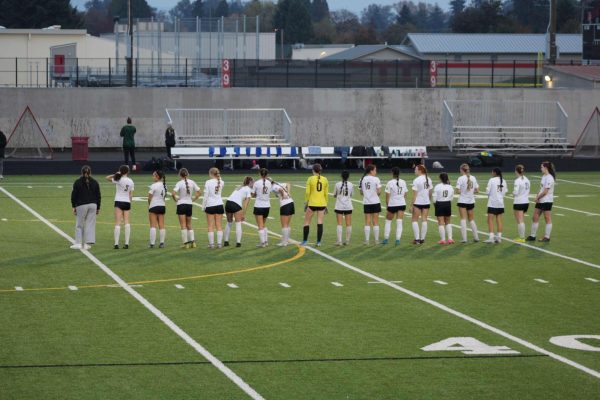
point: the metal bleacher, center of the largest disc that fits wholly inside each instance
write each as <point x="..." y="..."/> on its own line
<point x="505" y="127"/>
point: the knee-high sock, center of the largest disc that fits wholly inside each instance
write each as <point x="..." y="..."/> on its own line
<point x="423" y="230"/>
<point x="286" y="235"/>
<point x="117" y="233"/>
<point x="367" y="233"/>
<point x="190" y="235"/>
<point x="338" y="232"/>
<point x="261" y="236"/>
<point x="463" y="229"/>
<point x="387" y="228"/>
<point x="227" y="230"/>
<point x="219" y="237"/>
<point x="348" y="233"/>
<point x="211" y="238"/>
<point x="548" y="230"/>
<point x="398" y="229"/>
<point x="265" y="235"/>
<point x="521" y="230"/>
<point x="415" y="226"/>
<point x="163" y="234"/>
<point x="305" y="232"/>
<point x="474" y="230"/>
<point x="152" y="236"/>
<point x="534" y="228"/>
<point x="442" y="230"/>
<point x="319" y="232"/>
<point x="238" y="232"/>
<point x="449" y="232"/>
<point x="376" y="233"/>
<point x="127" y="233"/>
<point x="184" y="236"/>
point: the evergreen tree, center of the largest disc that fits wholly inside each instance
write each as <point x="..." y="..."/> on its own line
<point x="197" y="8"/>
<point x="97" y="19"/>
<point x="183" y="9"/>
<point x="457" y="6"/>
<point x="222" y="9"/>
<point x="421" y="17"/>
<point x="405" y="15"/>
<point x="265" y="11"/>
<point x="436" y="20"/>
<point x="139" y="9"/>
<point x="377" y="17"/>
<point x="294" y="17"/>
<point x="31" y="14"/>
<point x="319" y="10"/>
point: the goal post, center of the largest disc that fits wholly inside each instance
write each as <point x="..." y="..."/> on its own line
<point x="588" y="143"/>
<point x="27" y="139"/>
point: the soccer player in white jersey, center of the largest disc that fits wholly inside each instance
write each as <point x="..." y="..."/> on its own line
<point x="157" y="208"/>
<point x="235" y="210"/>
<point x="442" y="196"/>
<point x="262" y="192"/>
<point x="185" y="193"/>
<point x="123" y="195"/>
<point x="521" y="201"/>
<point x="213" y="207"/>
<point x="543" y="202"/>
<point x="286" y="209"/>
<point x="422" y="187"/>
<point x="496" y="189"/>
<point x="370" y="188"/>
<point x="343" y="207"/>
<point x="395" y="200"/>
<point x="466" y="188"/>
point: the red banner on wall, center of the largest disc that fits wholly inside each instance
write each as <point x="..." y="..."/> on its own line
<point x="433" y="68"/>
<point x="226" y="74"/>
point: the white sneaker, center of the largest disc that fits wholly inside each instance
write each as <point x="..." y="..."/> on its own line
<point x="498" y="239"/>
<point x="76" y="246"/>
<point x="339" y="244"/>
<point x="87" y="246"/>
<point x="490" y="240"/>
<point x="282" y="244"/>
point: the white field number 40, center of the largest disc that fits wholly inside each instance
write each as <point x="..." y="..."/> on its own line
<point x="472" y="346"/>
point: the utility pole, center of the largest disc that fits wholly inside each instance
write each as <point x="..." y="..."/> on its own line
<point x="130" y="52"/>
<point x="552" y="32"/>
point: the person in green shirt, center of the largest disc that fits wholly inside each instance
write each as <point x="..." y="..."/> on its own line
<point x="127" y="133"/>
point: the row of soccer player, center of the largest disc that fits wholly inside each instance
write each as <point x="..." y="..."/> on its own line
<point x="86" y="203"/>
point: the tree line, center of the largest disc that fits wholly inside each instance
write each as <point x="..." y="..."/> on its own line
<point x="311" y="21"/>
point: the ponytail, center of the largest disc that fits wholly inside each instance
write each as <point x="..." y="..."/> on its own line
<point x="214" y="172"/>
<point x="86" y="172"/>
<point x="444" y="178"/>
<point x="345" y="176"/>
<point x="550" y="167"/>
<point x="162" y="176"/>
<point x="498" y="173"/>
<point x="183" y="172"/>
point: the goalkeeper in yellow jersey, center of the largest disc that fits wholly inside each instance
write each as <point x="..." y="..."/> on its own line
<point x="315" y="198"/>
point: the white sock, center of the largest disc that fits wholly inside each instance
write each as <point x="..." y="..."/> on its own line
<point x="398" y="229"/>
<point x="117" y="233"/>
<point x="219" y="237"/>
<point x="184" y="236"/>
<point x="261" y="235"/>
<point x="415" y="226"/>
<point x="534" y="228"/>
<point x="348" y="233"/>
<point x="548" y="230"/>
<point x="266" y="235"/>
<point x="339" y="233"/>
<point x="491" y="235"/>
<point x="499" y="235"/>
<point x="386" y="229"/>
<point x="463" y="229"/>
<point x="423" y="230"/>
<point x="474" y="230"/>
<point x="286" y="234"/>
<point x="163" y="235"/>
<point x="127" y="233"/>
<point x="211" y="238"/>
<point x="442" y="231"/>
<point x="227" y="230"/>
<point x="449" y="232"/>
<point x="367" y="233"/>
<point x="376" y="233"/>
<point x="152" y="236"/>
<point x="238" y="232"/>
<point x="521" y="230"/>
<point x="191" y="237"/>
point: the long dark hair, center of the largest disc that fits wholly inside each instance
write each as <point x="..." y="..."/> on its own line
<point x="498" y="172"/>
<point x="444" y="178"/>
<point x="86" y="173"/>
<point x="396" y="174"/>
<point x="345" y="177"/>
<point x="123" y="170"/>
<point x="550" y="167"/>
<point x="184" y="173"/>
<point x="368" y="169"/>
<point x="520" y="169"/>
<point x="162" y="176"/>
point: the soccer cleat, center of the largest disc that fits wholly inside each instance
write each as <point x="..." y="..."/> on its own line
<point x="490" y="240"/>
<point x="476" y="240"/>
<point x="303" y="243"/>
<point x="87" y="246"/>
<point x="225" y="243"/>
<point x="282" y="244"/>
<point x="261" y="245"/>
<point x="218" y="246"/>
<point x="150" y="246"/>
<point x="519" y="240"/>
<point x="498" y="239"/>
<point x="442" y="242"/>
<point x="464" y="241"/>
<point x="346" y="243"/>
<point x="544" y="239"/>
<point x="339" y="244"/>
<point x="76" y="246"/>
<point x="211" y="246"/>
<point x="366" y="242"/>
<point x="238" y="245"/>
<point x="422" y="241"/>
<point x="318" y="244"/>
<point x="450" y="241"/>
<point x="384" y="241"/>
<point x="193" y="245"/>
<point x="416" y="241"/>
<point x="161" y="246"/>
<point x="125" y="247"/>
<point x="530" y="239"/>
<point x="116" y="247"/>
<point x="397" y="243"/>
<point x="185" y="246"/>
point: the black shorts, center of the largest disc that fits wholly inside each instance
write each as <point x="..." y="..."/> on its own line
<point x="467" y="206"/>
<point x="215" y="210"/>
<point x="123" y="205"/>
<point x="264" y="211"/>
<point x="158" y="210"/>
<point x="372" y="208"/>
<point x="343" y="212"/>
<point x="287" y="210"/>
<point x="184" y="209"/>
<point x="231" y="207"/>
<point x="543" y="206"/>
<point x="422" y="206"/>
<point x="395" y="209"/>
<point x="521" y="207"/>
<point x="315" y="208"/>
<point x="443" y="209"/>
<point x="495" y="211"/>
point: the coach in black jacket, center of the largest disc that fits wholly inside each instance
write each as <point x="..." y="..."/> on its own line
<point x="85" y="200"/>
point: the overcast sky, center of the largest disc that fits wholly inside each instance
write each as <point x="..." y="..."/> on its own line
<point x="355" y="6"/>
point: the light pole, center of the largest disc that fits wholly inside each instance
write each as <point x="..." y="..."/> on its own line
<point x="130" y="58"/>
<point x="280" y="30"/>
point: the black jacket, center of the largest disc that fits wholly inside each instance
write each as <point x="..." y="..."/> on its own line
<point x="2" y="144"/>
<point x="85" y="193"/>
<point x="170" y="137"/>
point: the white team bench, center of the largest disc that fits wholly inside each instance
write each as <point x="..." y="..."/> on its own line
<point x="319" y="152"/>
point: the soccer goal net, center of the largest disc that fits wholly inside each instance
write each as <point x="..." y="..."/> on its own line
<point x="588" y="144"/>
<point x="27" y="140"/>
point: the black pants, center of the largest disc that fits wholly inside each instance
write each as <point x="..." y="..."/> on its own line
<point x="129" y="151"/>
<point x="169" y="151"/>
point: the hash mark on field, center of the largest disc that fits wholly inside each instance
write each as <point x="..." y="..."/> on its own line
<point x="178" y="286"/>
<point x="60" y="187"/>
<point x="19" y="288"/>
<point x="4" y="219"/>
<point x="441" y="282"/>
<point x="73" y="288"/>
<point x="490" y="281"/>
<point x="29" y="187"/>
<point x="337" y="284"/>
<point x="592" y="280"/>
<point x="560" y="215"/>
<point x="540" y="280"/>
<point x="390" y="281"/>
<point x="232" y="285"/>
<point x="285" y="285"/>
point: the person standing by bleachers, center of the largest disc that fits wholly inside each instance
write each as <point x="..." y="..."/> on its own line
<point x="128" y="133"/>
<point x="2" y="147"/>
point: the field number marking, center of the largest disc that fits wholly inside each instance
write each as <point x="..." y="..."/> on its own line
<point x="337" y="284"/>
<point x="285" y="285"/>
<point x="491" y="282"/>
<point x="468" y="345"/>
<point x="540" y="280"/>
<point x="592" y="280"/>
<point x="572" y="342"/>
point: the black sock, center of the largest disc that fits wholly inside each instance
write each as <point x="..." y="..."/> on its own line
<point x="319" y="232"/>
<point x="306" y="229"/>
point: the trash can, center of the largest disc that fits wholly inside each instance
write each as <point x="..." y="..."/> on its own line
<point x="79" y="148"/>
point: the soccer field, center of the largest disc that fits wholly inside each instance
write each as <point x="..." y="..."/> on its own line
<point x="467" y="321"/>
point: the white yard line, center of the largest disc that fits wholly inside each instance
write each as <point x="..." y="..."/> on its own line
<point x="592" y="280"/>
<point x="441" y="282"/>
<point x="541" y="280"/>
<point x="149" y="306"/>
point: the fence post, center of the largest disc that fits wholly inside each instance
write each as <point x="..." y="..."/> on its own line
<point x="535" y="73"/>
<point x="344" y="74"/>
<point x="47" y="74"/>
<point x="137" y="68"/>
<point x="232" y="72"/>
<point x="77" y="72"/>
<point x="16" y="72"/>
<point x="371" y="77"/>
<point x="186" y="67"/>
<point x="492" y="73"/>
<point x="316" y="73"/>
<point x="109" y="72"/>
<point x="287" y="73"/>
<point x="446" y="72"/>
<point x="257" y="71"/>
<point x="468" y="73"/>
<point x="422" y="75"/>
<point x="397" y="65"/>
<point x="514" y="73"/>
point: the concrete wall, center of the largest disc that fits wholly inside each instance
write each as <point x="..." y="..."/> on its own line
<point x="319" y="116"/>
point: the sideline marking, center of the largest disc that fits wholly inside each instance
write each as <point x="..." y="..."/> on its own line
<point x="285" y="285"/>
<point x="337" y="284"/>
<point x="390" y="281"/>
<point x="233" y="285"/>
<point x="149" y="306"/>
<point x="541" y="280"/>
<point x="490" y="281"/>
<point x="441" y="282"/>
<point x="592" y="280"/>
